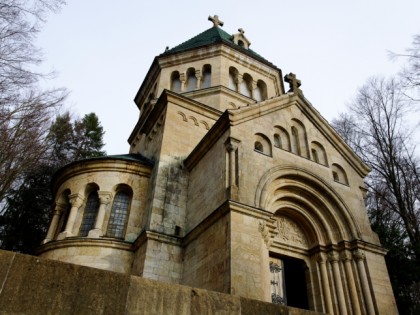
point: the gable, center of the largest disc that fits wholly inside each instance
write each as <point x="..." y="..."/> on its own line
<point x="292" y="124"/>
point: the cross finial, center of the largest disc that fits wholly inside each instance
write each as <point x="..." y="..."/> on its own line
<point x="241" y="30"/>
<point x="294" y="83"/>
<point x="216" y="21"/>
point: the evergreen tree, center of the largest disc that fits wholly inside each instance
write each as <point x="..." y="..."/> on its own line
<point x="27" y="209"/>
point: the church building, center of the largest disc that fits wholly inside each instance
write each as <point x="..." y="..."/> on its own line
<point x="233" y="183"/>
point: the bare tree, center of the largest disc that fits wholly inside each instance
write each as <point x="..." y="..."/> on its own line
<point x="26" y="110"/>
<point x="410" y="73"/>
<point x="376" y="127"/>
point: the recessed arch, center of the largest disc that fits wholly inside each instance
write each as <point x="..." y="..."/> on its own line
<point x="319" y="155"/>
<point x="64" y="202"/>
<point x="176" y="83"/>
<point x="260" y="92"/>
<point x="299" y="139"/>
<point x="119" y="211"/>
<point x="245" y="87"/>
<point x="191" y="83"/>
<point x="339" y="174"/>
<point x="233" y="79"/>
<point x="91" y="209"/>
<point x="262" y="144"/>
<point x="283" y="141"/>
<point x="206" y="80"/>
<point x="288" y="185"/>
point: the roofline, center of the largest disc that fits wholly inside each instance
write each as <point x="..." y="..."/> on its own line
<point x="232" y="45"/>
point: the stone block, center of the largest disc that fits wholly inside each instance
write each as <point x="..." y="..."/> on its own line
<point x="151" y="297"/>
<point x="252" y="307"/>
<point x="39" y="286"/>
<point x="208" y="302"/>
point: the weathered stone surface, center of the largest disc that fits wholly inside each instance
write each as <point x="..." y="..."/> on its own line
<point x="208" y="302"/>
<point x="252" y="307"/>
<point x="31" y="285"/>
<point x="37" y="286"/>
<point x="152" y="297"/>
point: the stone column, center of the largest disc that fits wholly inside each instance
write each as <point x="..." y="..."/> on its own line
<point x="253" y="88"/>
<point x="347" y="259"/>
<point x="325" y="283"/>
<point x="334" y="260"/>
<point x="104" y="200"/>
<point x="232" y="171"/>
<point x="58" y="211"/>
<point x="76" y="202"/>
<point x="238" y="82"/>
<point x="199" y="77"/>
<point x="183" y="80"/>
<point x="360" y="257"/>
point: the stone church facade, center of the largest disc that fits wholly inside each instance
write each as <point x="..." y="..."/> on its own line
<point x="232" y="184"/>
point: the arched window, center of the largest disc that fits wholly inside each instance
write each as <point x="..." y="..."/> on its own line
<point x="283" y="141"/>
<point x="260" y="92"/>
<point x="191" y="80"/>
<point x="318" y="153"/>
<point x="258" y="146"/>
<point x="295" y="141"/>
<point x="339" y="175"/>
<point x="89" y="215"/>
<point x="299" y="139"/>
<point x="277" y="140"/>
<point x="119" y="213"/>
<point x="233" y="78"/>
<point x="315" y="156"/>
<point x="175" y="82"/>
<point x="262" y="144"/>
<point x="246" y="85"/>
<point x="64" y="201"/>
<point x="206" y="77"/>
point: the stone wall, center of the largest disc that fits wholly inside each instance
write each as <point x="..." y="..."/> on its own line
<point x="32" y="285"/>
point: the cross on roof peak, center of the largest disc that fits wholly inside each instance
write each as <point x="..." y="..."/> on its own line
<point x="294" y="83"/>
<point x="216" y="21"/>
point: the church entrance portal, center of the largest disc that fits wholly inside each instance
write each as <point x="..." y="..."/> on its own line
<point x="288" y="282"/>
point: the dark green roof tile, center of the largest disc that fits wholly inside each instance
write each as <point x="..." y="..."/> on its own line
<point x="212" y="36"/>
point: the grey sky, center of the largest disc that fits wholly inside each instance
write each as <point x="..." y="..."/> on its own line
<point x="102" y="50"/>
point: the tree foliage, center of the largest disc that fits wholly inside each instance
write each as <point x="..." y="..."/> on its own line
<point x="26" y="110"/>
<point x="25" y="218"/>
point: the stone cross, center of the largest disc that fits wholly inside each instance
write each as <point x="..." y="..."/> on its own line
<point x="294" y="83"/>
<point x="216" y="21"/>
<point x="241" y="30"/>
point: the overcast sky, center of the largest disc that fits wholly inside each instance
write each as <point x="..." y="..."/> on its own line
<point x="102" y="49"/>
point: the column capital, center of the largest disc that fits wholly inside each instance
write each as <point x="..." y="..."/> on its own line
<point x="359" y="255"/>
<point x="231" y="144"/>
<point x="333" y="257"/>
<point x="346" y="256"/>
<point x="76" y="200"/>
<point x="239" y="78"/>
<point x="321" y="258"/>
<point x="60" y="207"/>
<point x="105" y="197"/>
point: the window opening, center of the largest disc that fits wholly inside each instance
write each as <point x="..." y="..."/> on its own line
<point x="259" y="147"/>
<point x="118" y="216"/>
<point x="89" y="215"/>
<point x="315" y="155"/>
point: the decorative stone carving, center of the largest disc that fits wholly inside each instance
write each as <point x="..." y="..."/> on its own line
<point x="290" y="232"/>
<point x="265" y="232"/>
